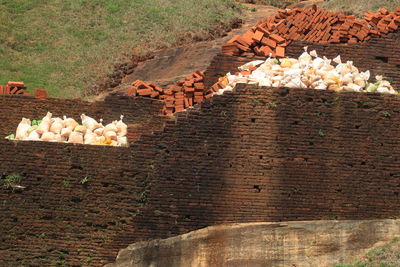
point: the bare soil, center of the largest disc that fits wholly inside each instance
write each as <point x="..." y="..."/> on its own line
<point x="167" y="66"/>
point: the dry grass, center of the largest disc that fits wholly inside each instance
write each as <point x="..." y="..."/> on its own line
<point x="359" y="7"/>
<point x="275" y="3"/>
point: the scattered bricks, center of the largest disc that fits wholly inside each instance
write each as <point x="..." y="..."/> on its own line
<point x="242" y="41"/>
<point x="257" y="51"/>
<point x="179" y="102"/>
<point x="393" y="26"/>
<point x="262" y="29"/>
<point x="266" y="50"/>
<point x="280" y="51"/>
<point x="243" y="48"/>
<point x="383" y="11"/>
<point x="16" y="84"/>
<point x="313" y="25"/>
<point x="266" y="41"/>
<point x="131" y="91"/>
<point x="169" y="103"/>
<point x="258" y="35"/>
<point x="209" y="95"/>
<point x="41" y="94"/>
<point x="198" y="99"/>
<point x="155" y="94"/>
<point x="277" y="38"/>
<point x="180" y="95"/>
<point x="188" y="83"/>
<point x="352" y="41"/>
<point x="198" y="74"/>
<point x="6" y="90"/>
<point x="176" y="97"/>
<point x="188" y="89"/>
<point x="179" y="108"/>
<point x="168" y="92"/>
<point x="199" y="86"/>
<point x="13" y="90"/>
<point x="144" y="92"/>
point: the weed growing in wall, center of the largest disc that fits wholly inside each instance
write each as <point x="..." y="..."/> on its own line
<point x="12" y="181"/>
<point x="84" y="180"/>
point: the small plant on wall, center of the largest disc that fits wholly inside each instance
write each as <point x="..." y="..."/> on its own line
<point x="12" y="182"/>
<point x="84" y="180"/>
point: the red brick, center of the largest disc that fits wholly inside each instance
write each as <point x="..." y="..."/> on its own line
<point x="277" y="38"/>
<point x="41" y="94"/>
<point x="266" y="41"/>
<point x="199" y="86"/>
<point x="280" y="51"/>
<point x="258" y="35"/>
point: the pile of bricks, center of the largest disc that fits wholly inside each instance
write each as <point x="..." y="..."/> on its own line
<point x="19" y="88"/>
<point x="272" y="34"/>
<point x="13" y="88"/>
<point x="177" y="97"/>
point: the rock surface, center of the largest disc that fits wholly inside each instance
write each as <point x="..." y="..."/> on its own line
<point x="312" y="243"/>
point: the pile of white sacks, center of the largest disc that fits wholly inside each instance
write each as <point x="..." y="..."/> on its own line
<point x="308" y="71"/>
<point x="67" y="130"/>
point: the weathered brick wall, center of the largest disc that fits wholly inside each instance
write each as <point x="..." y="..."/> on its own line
<point x="142" y="115"/>
<point x="379" y="55"/>
<point x="252" y="155"/>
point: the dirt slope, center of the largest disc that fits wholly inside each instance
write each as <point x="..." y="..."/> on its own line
<point x="171" y="65"/>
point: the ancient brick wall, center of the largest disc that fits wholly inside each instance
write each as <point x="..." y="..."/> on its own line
<point x="379" y="55"/>
<point x="141" y="115"/>
<point x="252" y="155"/>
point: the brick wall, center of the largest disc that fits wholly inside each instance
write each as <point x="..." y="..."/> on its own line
<point x="141" y="116"/>
<point x="380" y="55"/>
<point x="252" y="155"/>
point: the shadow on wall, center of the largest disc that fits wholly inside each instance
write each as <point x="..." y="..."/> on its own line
<point x="341" y="150"/>
<point x="253" y="155"/>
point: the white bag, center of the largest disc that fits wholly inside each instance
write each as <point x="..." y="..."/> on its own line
<point x="89" y="137"/>
<point x="34" y="136"/>
<point x="111" y="134"/>
<point x="22" y="129"/>
<point x="57" y="126"/>
<point x="48" y="136"/>
<point x="122" y="127"/>
<point x="70" y="123"/>
<point x="47" y="117"/>
<point x="65" y="132"/>
<point x="44" y="126"/>
<point x="75" y="138"/>
<point x="89" y="122"/>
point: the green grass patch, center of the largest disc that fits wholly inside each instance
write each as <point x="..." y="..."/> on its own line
<point x="381" y="256"/>
<point x="67" y="46"/>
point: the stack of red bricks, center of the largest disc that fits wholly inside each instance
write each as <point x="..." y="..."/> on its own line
<point x="177" y="97"/>
<point x="384" y="21"/>
<point x="13" y="88"/>
<point x="271" y="35"/>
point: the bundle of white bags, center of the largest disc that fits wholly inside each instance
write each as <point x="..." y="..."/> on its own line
<point x="67" y="130"/>
<point x="308" y="71"/>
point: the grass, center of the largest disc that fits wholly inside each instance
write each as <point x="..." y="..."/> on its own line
<point x="381" y="256"/>
<point x="275" y="3"/>
<point x="67" y="46"/>
<point x="11" y="180"/>
<point x="359" y="7"/>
